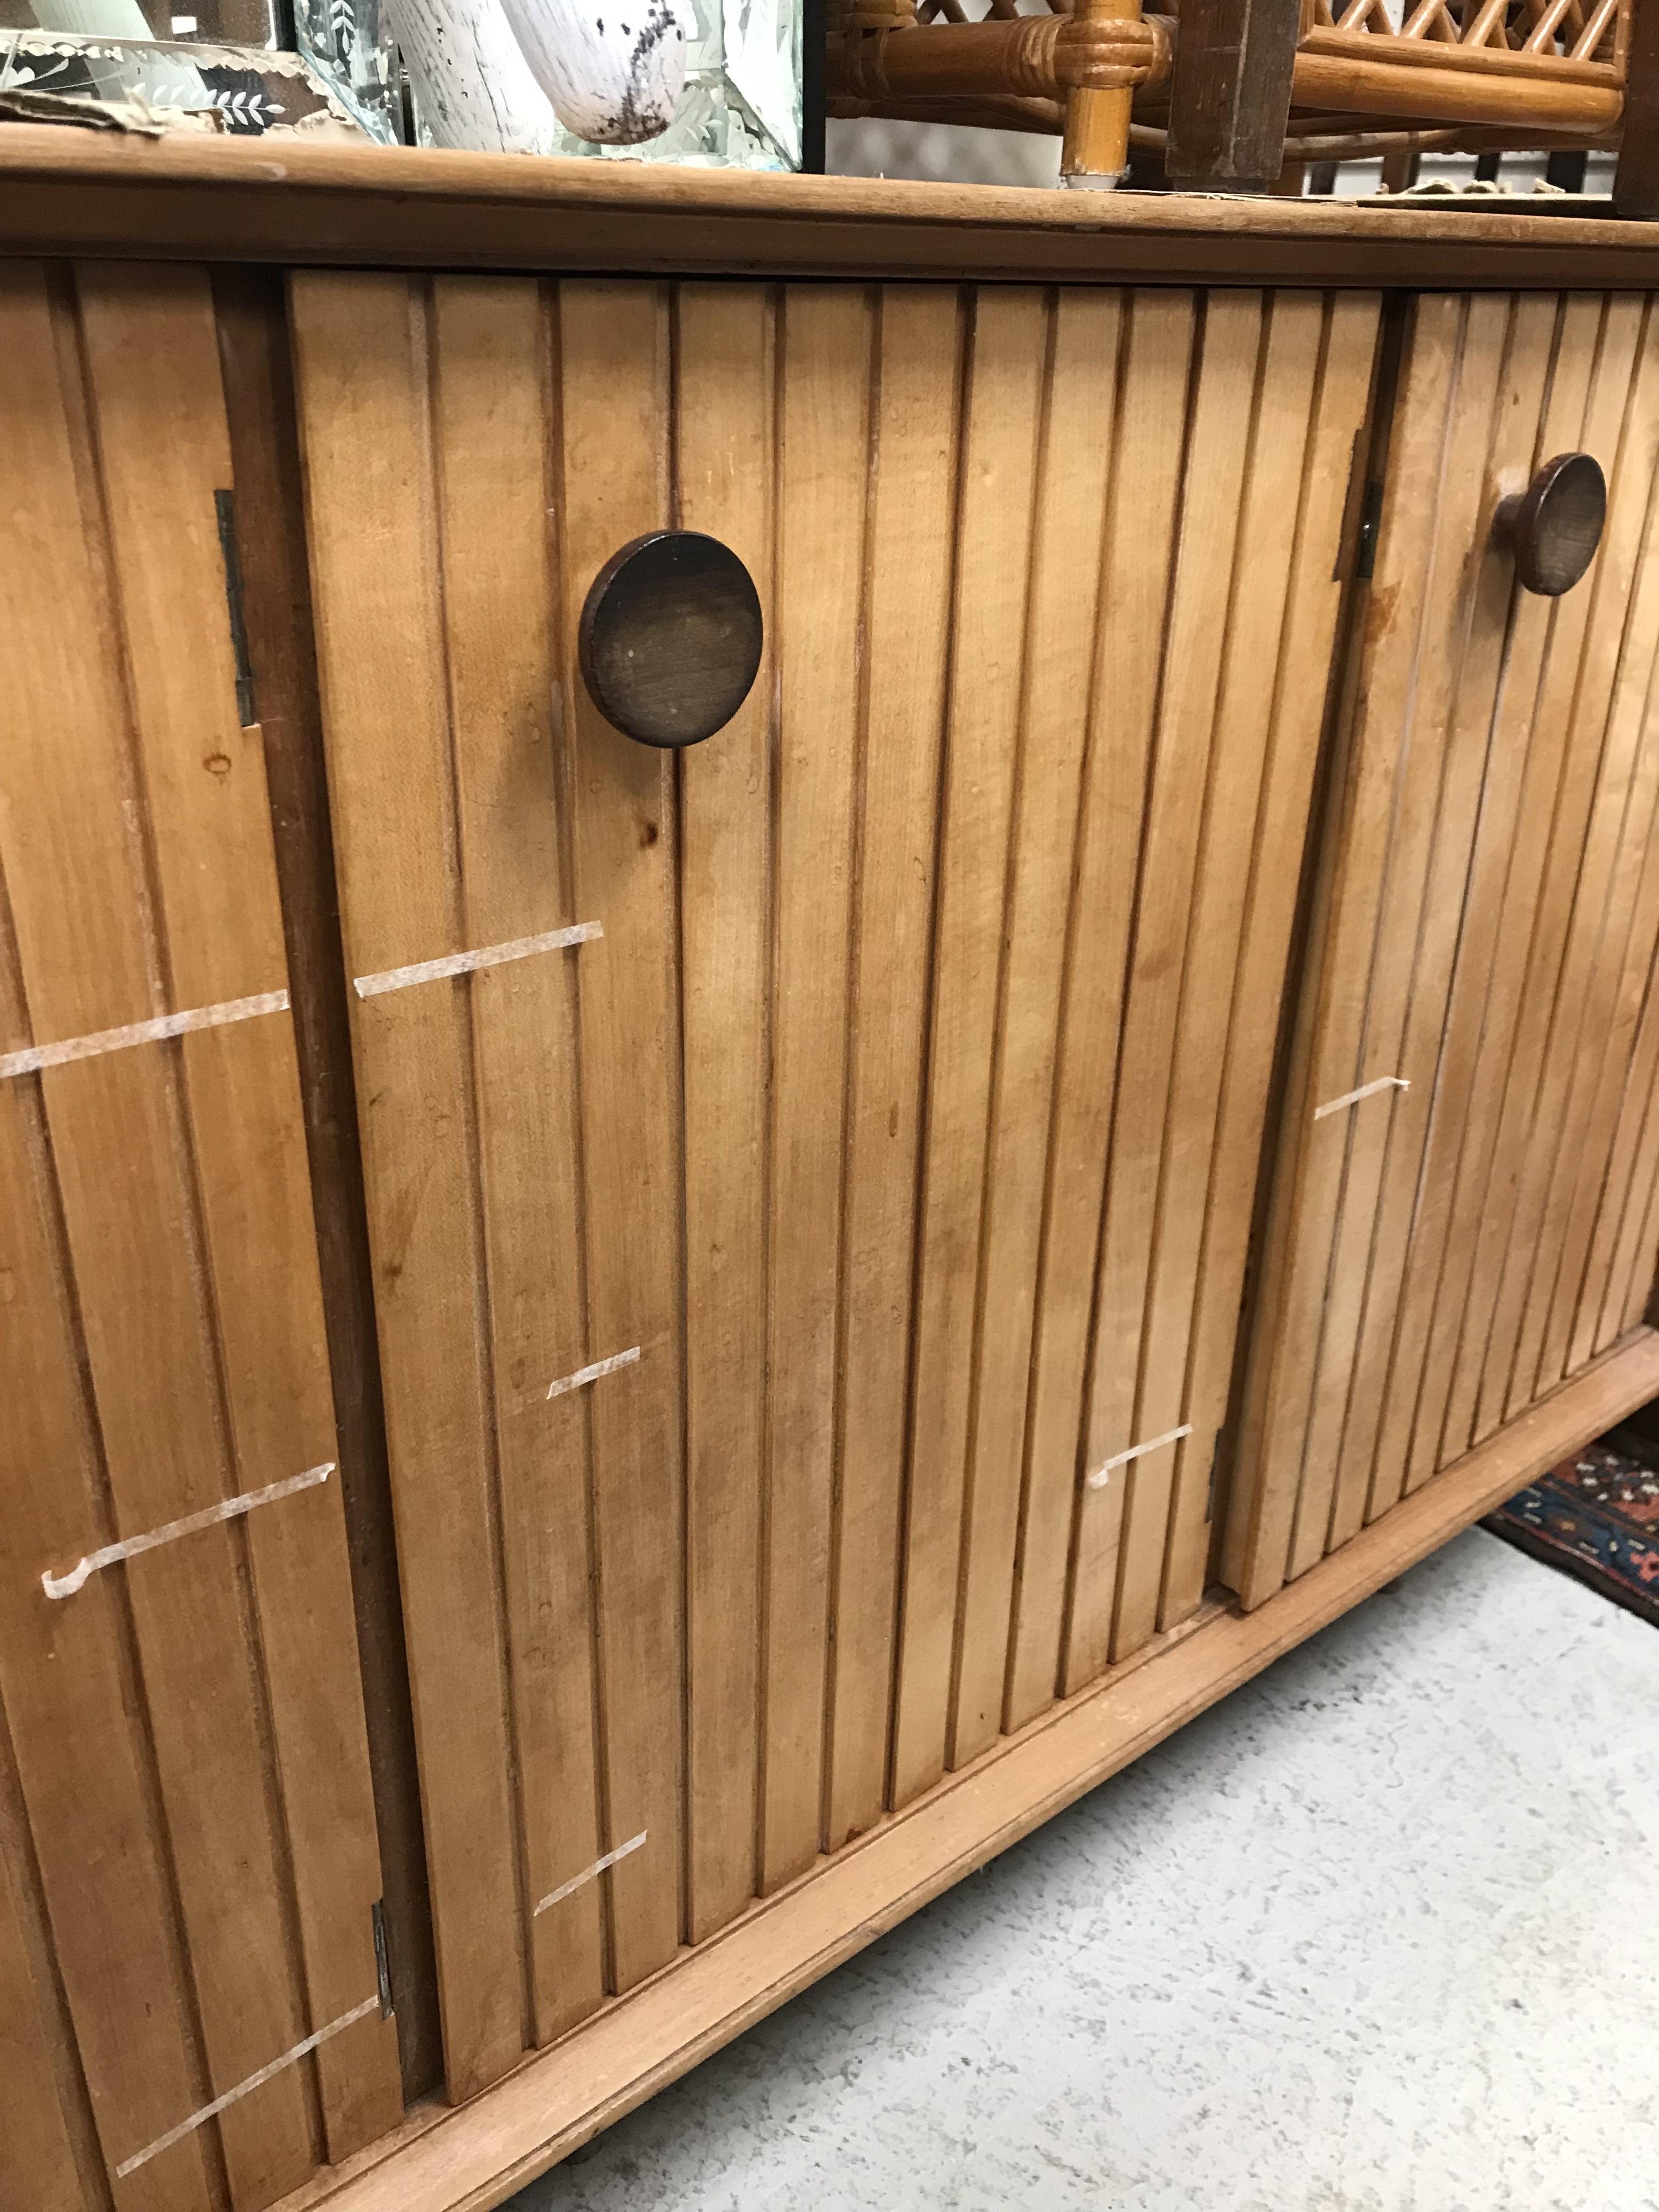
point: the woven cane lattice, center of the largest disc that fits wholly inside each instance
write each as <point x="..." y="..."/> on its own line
<point x="1564" y="30"/>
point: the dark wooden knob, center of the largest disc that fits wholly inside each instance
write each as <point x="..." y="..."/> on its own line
<point x="670" y="637"/>
<point x="1554" y="526"/>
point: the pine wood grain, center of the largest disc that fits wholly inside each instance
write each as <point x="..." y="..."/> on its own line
<point x="1003" y="407"/>
<point x="825" y="427"/>
<point x="911" y="531"/>
<point x="1625" y="1199"/>
<point x="1312" y="1154"/>
<point x="1337" y="455"/>
<point x="1605" y="1011"/>
<point x="1523" y="766"/>
<point x="44" y="2114"/>
<point x="468" y="2159"/>
<point x="1599" y="761"/>
<point x="1134" y="1501"/>
<point x="362" y="372"/>
<point x="236" y="1831"/>
<point x="1137" y="554"/>
<point x="165" y="448"/>
<point x="725" y="450"/>
<point x="493" y="444"/>
<point x="1437" y="780"/>
<point x="1602" y="1188"/>
<point x="1436" y="1031"/>
<point x="421" y="206"/>
<point x="1538" y="711"/>
<point x="614" y="387"/>
<point x="1077" y="445"/>
<point x="269" y="539"/>
<point x="69" y="1671"/>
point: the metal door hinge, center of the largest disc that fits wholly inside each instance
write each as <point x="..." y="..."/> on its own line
<point x="225" y="507"/>
<point x="1370" y="518"/>
<point x="382" y="1966"/>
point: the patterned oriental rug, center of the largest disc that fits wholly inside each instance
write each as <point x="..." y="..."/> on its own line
<point x="1596" y="1516"/>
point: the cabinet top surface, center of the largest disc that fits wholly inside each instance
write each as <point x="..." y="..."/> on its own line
<point x="65" y="191"/>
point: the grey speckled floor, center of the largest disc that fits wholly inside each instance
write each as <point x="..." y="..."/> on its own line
<point x="1378" y="1933"/>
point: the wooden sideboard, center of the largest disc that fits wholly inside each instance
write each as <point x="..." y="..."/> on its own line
<point x="868" y="1268"/>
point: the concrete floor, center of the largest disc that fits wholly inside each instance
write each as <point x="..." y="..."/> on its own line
<point x="1378" y="1933"/>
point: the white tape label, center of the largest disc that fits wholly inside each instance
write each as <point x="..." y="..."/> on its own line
<point x="66" y="1585"/>
<point x="584" y="1376"/>
<point x="1365" y="1090"/>
<point x="467" y="964"/>
<point x="36" y="1056"/>
<point x="1101" y="1474"/>
<point x="587" y="1874"/>
<point x="253" y="2081"/>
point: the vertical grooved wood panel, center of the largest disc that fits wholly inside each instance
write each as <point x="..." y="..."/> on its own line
<point x="812" y="1179"/>
<point x="1330" y="1012"/>
<point x="615" y="400"/>
<point x="1442" y="748"/>
<point x="1589" y="1032"/>
<point x="1624" y="1197"/>
<point x="1439" y="1251"/>
<point x="1531" y="724"/>
<point x="43" y="2115"/>
<point x="727" y="387"/>
<point x="1154" y="371"/>
<point x="930" y="965"/>
<point x="164" y="447"/>
<point x="912" y="539"/>
<point x="1007" y="364"/>
<point x="1644" y="1268"/>
<point x="1316" y="381"/>
<point x="1404" y="1363"/>
<point x="1577" y="1298"/>
<point x="824" y="429"/>
<point x="492" y="402"/>
<point x="1593" y="789"/>
<point x="1389" y="1199"/>
<point x="362" y="348"/>
<point x="1079" y="439"/>
<point x="187" y="1726"/>
<point x="1195" y="630"/>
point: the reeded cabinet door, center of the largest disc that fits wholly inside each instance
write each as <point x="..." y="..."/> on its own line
<point x="189" y="2008"/>
<point x="798" y="1165"/>
<point x="1463" y="1208"/>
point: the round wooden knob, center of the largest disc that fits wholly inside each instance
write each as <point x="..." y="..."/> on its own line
<point x="670" y="637"/>
<point x="1554" y="526"/>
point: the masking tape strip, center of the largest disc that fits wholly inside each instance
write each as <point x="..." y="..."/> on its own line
<point x="66" y="1585"/>
<point x="1097" y="1479"/>
<point x="36" y="1056"/>
<point x="1365" y="1090"/>
<point x="464" y="964"/>
<point x="253" y="2081"/>
<point x="588" y="1872"/>
<point x="585" y="1375"/>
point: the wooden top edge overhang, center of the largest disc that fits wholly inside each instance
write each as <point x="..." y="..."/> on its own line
<point x="67" y="190"/>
